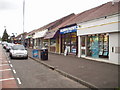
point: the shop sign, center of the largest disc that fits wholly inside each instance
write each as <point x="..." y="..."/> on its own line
<point x="68" y="30"/>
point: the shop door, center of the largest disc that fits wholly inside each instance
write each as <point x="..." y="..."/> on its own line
<point x="95" y="47"/>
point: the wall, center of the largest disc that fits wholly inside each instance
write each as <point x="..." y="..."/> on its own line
<point x="79" y="46"/>
<point x="110" y="24"/>
<point x="114" y="39"/>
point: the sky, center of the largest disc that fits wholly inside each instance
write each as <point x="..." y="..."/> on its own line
<point x="39" y="13"/>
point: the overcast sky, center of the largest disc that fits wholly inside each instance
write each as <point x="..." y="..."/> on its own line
<point x="39" y="12"/>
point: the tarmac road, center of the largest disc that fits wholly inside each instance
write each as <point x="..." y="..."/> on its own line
<point x="31" y="74"/>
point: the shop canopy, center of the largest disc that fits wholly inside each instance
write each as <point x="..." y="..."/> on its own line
<point x="51" y="34"/>
<point x="30" y="36"/>
<point x="40" y="34"/>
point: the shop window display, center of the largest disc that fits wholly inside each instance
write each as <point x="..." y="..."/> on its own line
<point x="45" y="43"/>
<point x="93" y="46"/>
<point x="73" y="43"/>
<point x="83" y="45"/>
<point x="52" y="42"/>
<point x="89" y="53"/>
<point x="69" y="41"/>
<point x="98" y="46"/>
<point x="106" y="46"/>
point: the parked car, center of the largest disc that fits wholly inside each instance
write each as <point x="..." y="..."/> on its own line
<point x="9" y="46"/>
<point x="18" y="51"/>
<point x="4" y="44"/>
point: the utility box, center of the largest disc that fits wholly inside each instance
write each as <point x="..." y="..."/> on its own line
<point x="35" y="53"/>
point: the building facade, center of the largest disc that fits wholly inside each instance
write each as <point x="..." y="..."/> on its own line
<point x="98" y="39"/>
<point x="69" y="39"/>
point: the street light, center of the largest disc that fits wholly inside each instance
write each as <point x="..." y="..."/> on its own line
<point x="4" y="27"/>
<point x="23" y="19"/>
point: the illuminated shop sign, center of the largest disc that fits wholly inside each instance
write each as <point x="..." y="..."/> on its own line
<point x="68" y="30"/>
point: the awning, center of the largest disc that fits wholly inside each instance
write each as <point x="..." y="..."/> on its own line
<point x="40" y="34"/>
<point x="51" y="34"/>
<point x="28" y="37"/>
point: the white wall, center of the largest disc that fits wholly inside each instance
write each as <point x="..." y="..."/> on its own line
<point x="79" y="46"/>
<point x="94" y="26"/>
<point x="114" y="39"/>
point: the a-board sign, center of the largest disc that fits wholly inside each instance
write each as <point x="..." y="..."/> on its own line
<point x="66" y="51"/>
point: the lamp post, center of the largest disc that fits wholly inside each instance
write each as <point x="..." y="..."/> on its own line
<point x="23" y="21"/>
<point x="4" y="27"/>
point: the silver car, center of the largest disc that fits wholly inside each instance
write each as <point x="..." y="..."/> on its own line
<point x="9" y="46"/>
<point x="4" y="43"/>
<point x="18" y="51"/>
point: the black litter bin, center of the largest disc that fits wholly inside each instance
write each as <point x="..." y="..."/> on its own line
<point x="44" y="54"/>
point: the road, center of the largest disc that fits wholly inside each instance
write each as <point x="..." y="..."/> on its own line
<point x="31" y="74"/>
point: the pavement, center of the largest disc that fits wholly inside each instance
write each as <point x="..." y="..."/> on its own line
<point x="7" y="79"/>
<point x="93" y="74"/>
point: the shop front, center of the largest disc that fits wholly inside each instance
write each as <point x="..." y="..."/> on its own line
<point x="98" y="40"/>
<point x="52" y="41"/>
<point x="39" y="39"/>
<point x="69" y="40"/>
<point x="95" y="46"/>
<point x="29" y="41"/>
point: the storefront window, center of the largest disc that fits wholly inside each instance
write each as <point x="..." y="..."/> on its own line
<point x="45" y="43"/>
<point x="69" y="41"/>
<point x="104" y="46"/>
<point x="83" y="45"/>
<point x="52" y="42"/>
<point x="89" y="52"/>
<point x="97" y="46"/>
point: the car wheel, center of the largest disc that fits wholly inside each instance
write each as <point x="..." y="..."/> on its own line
<point x="7" y="50"/>
<point x="26" y="57"/>
<point x="11" y="56"/>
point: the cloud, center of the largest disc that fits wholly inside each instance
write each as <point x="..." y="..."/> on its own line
<point x="7" y="4"/>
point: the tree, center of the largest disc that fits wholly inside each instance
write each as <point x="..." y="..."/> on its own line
<point x="5" y="36"/>
<point x="0" y="38"/>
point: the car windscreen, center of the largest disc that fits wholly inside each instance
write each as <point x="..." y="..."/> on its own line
<point x="18" y="47"/>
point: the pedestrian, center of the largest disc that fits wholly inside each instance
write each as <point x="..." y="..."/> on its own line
<point x="25" y="44"/>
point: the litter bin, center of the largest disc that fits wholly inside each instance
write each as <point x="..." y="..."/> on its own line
<point x="44" y="54"/>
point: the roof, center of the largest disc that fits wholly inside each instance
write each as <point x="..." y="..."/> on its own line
<point x="31" y="32"/>
<point x="53" y="31"/>
<point x="91" y="14"/>
<point x="18" y="36"/>
<point x="97" y="12"/>
<point x="100" y="11"/>
<point x="56" y="23"/>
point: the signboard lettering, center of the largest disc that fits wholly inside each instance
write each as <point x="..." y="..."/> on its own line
<point x="68" y="30"/>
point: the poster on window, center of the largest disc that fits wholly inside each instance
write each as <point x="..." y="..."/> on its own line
<point x="74" y="50"/>
<point x="94" y="47"/>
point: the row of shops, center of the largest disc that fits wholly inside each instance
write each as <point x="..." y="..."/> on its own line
<point x="94" y="34"/>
